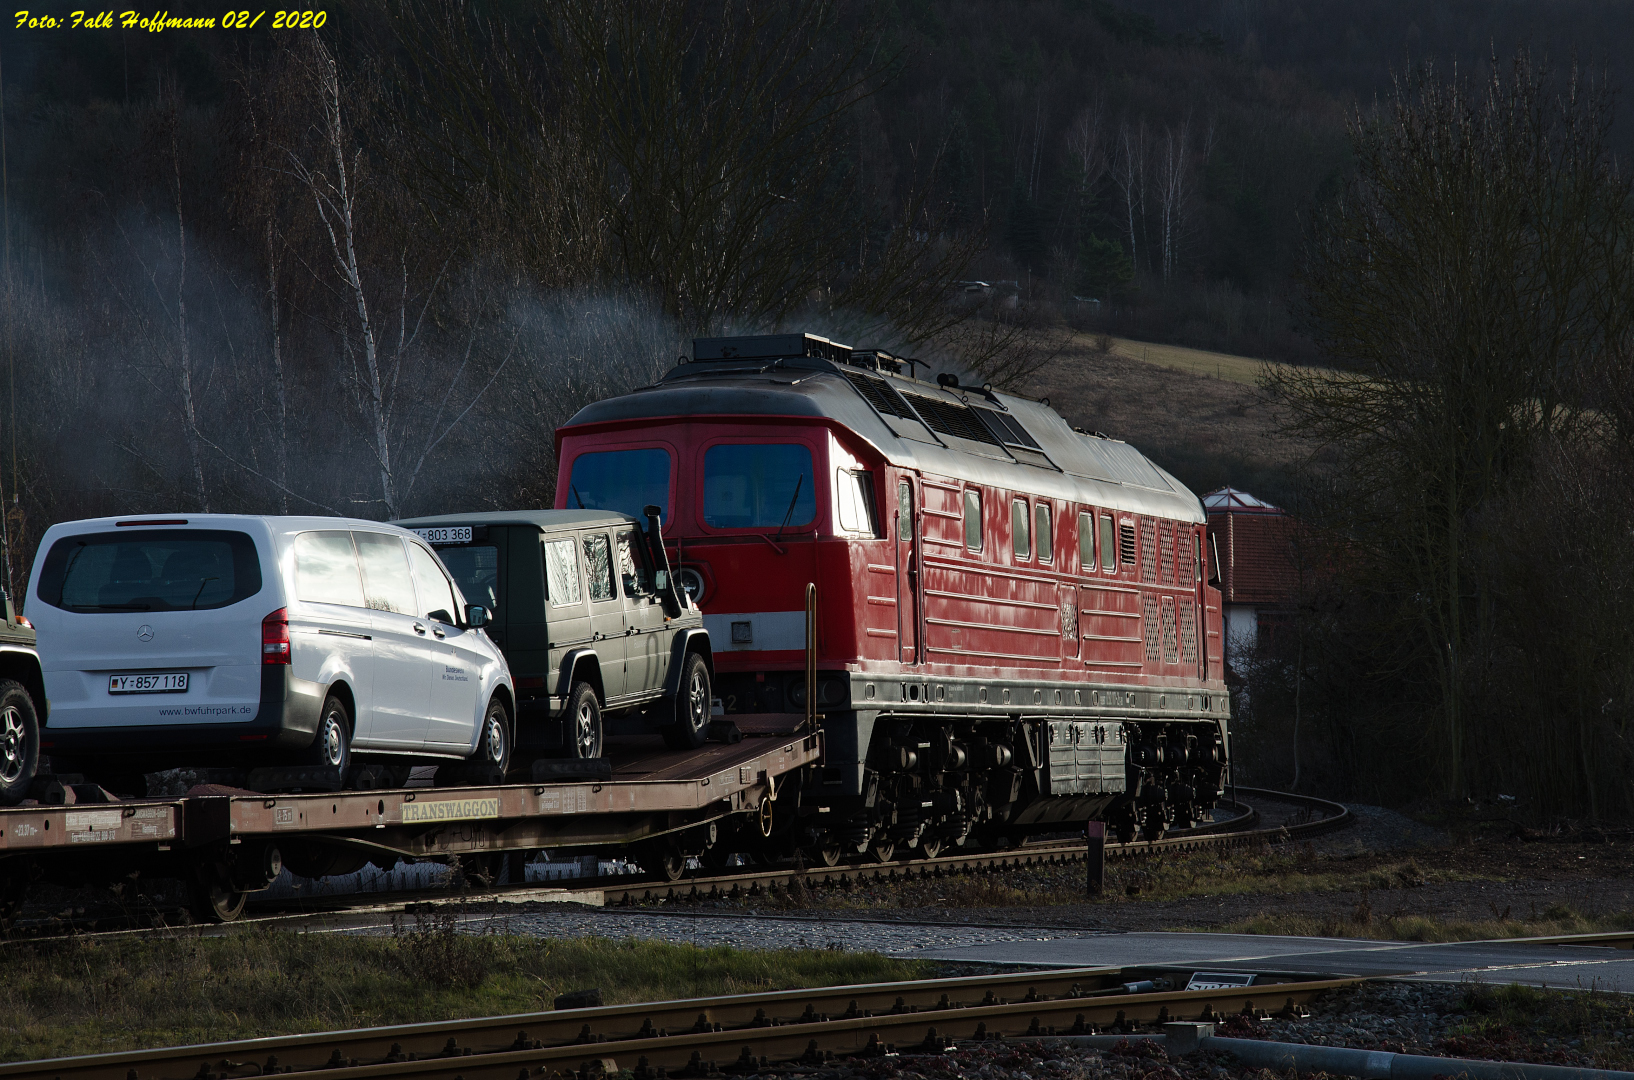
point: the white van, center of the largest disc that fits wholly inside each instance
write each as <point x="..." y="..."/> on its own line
<point x="228" y="640"/>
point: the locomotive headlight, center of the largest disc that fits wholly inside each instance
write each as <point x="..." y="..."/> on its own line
<point x="692" y="582"/>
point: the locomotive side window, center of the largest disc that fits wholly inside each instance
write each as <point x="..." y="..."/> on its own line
<point x="621" y="480"/>
<point x="1086" y="542"/>
<point x="1109" y="543"/>
<point x="856" y="493"/>
<point x="973" y="519"/>
<point x="1043" y="533"/>
<point x="759" y="486"/>
<point x="904" y="508"/>
<point x="1018" y="529"/>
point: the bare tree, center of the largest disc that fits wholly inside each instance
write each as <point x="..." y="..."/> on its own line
<point x="1129" y="174"/>
<point x="1463" y="278"/>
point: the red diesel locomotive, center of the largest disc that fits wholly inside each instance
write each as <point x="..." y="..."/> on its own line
<point x="1015" y="628"/>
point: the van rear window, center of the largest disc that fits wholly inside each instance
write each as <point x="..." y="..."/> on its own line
<point x="153" y="570"/>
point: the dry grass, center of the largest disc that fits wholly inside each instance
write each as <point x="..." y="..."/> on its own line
<point x="1226" y="366"/>
<point x="1364" y="923"/>
<point x="1158" y="877"/>
<point x="95" y="995"/>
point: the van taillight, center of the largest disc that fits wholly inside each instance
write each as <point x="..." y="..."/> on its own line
<point x="275" y="637"/>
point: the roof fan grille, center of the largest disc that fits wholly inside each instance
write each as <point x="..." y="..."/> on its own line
<point x="951" y="419"/>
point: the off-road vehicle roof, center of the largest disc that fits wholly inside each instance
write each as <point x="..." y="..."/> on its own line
<point x="546" y="520"/>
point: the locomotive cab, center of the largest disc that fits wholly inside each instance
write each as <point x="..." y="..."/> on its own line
<point x="1014" y="632"/>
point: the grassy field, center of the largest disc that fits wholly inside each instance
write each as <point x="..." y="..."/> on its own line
<point x="91" y="995"/>
<point x="1237" y="369"/>
<point x="1364" y="924"/>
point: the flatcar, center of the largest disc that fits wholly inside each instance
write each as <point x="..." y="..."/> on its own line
<point x="1016" y="631"/>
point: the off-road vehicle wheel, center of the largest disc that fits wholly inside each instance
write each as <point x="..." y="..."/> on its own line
<point x="583" y="722"/>
<point x="691" y="724"/>
<point x="19" y="742"/>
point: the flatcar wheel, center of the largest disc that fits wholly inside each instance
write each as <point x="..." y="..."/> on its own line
<point x="882" y="851"/>
<point x="670" y="864"/>
<point x="1152" y="826"/>
<point x="212" y="900"/>
<point x="929" y="849"/>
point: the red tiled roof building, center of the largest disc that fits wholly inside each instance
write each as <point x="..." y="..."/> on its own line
<point x="1253" y="547"/>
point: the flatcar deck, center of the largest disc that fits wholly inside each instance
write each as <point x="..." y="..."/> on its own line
<point x="652" y="791"/>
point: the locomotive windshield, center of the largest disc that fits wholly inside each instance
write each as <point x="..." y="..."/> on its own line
<point x="621" y="480"/>
<point x="759" y="486"/>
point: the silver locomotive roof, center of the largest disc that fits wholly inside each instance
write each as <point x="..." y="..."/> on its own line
<point x="939" y="428"/>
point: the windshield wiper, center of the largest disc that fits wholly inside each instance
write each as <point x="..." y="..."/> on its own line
<point x="202" y="583"/>
<point x="577" y="496"/>
<point x="790" y="511"/>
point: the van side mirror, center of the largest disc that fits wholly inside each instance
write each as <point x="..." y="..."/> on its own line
<point x="476" y="616"/>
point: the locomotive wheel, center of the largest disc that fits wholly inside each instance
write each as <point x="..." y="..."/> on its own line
<point x="584" y="722"/>
<point x="690" y="727"/>
<point x="1152" y="826"/>
<point x="825" y="853"/>
<point x="19" y="742"/>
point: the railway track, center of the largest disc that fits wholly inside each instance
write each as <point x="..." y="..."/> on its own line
<point x="1297" y="817"/>
<point x="702" y="1037"/>
<point x="1317" y="816"/>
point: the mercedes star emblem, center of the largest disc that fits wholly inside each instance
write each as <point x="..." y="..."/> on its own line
<point x="144" y="632"/>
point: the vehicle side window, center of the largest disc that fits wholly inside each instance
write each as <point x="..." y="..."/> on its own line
<point x="904" y="508"/>
<point x="1109" y="543"/>
<point x="387" y="583"/>
<point x="562" y="573"/>
<point x="1086" y="542"/>
<point x="1043" y="532"/>
<point x="973" y="519"/>
<point x="436" y="594"/>
<point x="1018" y="529"/>
<point x="598" y="567"/>
<point x="856" y="493"/>
<point x="632" y="567"/>
<point x="326" y="569"/>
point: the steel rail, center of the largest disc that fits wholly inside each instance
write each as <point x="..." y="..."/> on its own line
<point x="1232" y="833"/>
<point x="696" y="1035"/>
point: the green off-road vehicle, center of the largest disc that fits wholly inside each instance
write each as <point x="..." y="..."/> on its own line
<point x="22" y="707"/>
<point x="600" y="637"/>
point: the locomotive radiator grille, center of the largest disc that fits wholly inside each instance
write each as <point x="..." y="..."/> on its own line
<point x="1171" y="650"/>
<point x="1148" y="551"/>
<point x="1149" y="625"/>
<point x="1188" y="635"/>
<point x="1166" y="554"/>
